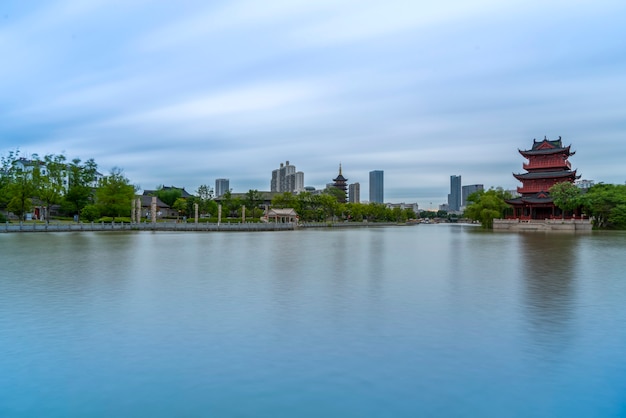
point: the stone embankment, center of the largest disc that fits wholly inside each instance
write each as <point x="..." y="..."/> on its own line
<point x="160" y="226"/>
<point x="176" y="226"/>
<point x="578" y="225"/>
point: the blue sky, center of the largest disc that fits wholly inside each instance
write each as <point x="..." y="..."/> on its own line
<point x="182" y="93"/>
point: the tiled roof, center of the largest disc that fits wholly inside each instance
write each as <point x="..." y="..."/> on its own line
<point x="183" y="192"/>
<point x="146" y="201"/>
<point x="537" y="198"/>
<point x="545" y="175"/>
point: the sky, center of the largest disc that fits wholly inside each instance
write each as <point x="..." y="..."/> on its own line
<point x="182" y="93"/>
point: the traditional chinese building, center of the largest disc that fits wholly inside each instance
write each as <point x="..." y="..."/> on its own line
<point x="547" y="165"/>
<point x="340" y="182"/>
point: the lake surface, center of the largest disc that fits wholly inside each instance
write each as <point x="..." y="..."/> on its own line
<point x="430" y="320"/>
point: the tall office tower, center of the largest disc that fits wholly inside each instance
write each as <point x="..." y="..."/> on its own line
<point x="468" y="190"/>
<point x="279" y="177"/>
<point x="354" y="193"/>
<point x="221" y="187"/>
<point x="377" y="190"/>
<point x="454" y="198"/>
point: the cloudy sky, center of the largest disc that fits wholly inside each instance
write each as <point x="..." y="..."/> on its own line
<point x="181" y="93"/>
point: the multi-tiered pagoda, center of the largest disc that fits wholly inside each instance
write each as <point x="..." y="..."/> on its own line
<point x="340" y="183"/>
<point x="547" y="165"/>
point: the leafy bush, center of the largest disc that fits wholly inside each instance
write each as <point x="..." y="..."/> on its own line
<point x="119" y="219"/>
<point x="90" y="213"/>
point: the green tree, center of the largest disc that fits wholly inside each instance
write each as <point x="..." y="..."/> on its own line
<point x="168" y="195"/>
<point x="6" y="176"/>
<point x="180" y="206"/>
<point x="252" y="201"/>
<point x="566" y="196"/>
<point x="115" y="194"/>
<point x="230" y="204"/>
<point x="206" y="204"/>
<point x="90" y="213"/>
<point x="307" y="206"/>
<point x="376" y="212"/>
<point x="605" y="204"/>
<point x="50" y="187"/>
<point x="617" y="217"/>
<point x="355" y="211"/>
<point x="399" y="215"/>
<point x="82" y="182"/>
<point x="205" y="192"/>
<point x="485" y="206"/>
<point x="329" y="204"/>
<point x="284" y="200"/>
<point x="337" y="193"/>
<point x="21" y="187"/>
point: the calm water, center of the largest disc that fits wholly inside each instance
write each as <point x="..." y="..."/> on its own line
<point x="431" y="320"/>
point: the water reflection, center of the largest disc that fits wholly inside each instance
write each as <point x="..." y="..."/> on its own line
<point x="549" y="266"/>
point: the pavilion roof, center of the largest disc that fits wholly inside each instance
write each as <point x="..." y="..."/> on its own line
<point x="282" y="212"/>
<point x="537" y="198"/>
<point x="536" y="175"/>
<point x="547" y="147"/>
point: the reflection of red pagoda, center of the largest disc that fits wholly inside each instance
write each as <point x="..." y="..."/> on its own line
<point x="547" y="165"/>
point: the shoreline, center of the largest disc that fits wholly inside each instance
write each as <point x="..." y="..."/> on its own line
<point x="184" y="227"/>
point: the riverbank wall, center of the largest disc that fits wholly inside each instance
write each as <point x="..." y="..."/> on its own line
<point x="575" y="225"/>
<point x="177" y="226"/>
<point x="148" y="226"/>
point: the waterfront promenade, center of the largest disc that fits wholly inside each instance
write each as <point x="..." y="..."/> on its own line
<point x="148" y="226"/>
<point x="177" y="226"/>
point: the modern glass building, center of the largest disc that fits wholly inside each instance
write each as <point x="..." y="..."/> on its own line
<point x="221" y="187"/>
<point x="454" y="198"/>
<point x="284" y="179"/>
<point x="377" y="191"/>
<point x="468" y="190"/>
<point x="354" y="193"/>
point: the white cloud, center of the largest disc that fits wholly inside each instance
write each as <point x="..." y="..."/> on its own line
<point x="421" y="90"/>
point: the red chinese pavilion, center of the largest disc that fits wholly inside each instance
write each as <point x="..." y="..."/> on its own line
<point x="547" y="165"/>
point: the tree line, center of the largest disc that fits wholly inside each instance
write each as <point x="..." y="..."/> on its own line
<point x="327" y="206"/>
<point x="76" y="190"/>
<point x="75" y="187"/>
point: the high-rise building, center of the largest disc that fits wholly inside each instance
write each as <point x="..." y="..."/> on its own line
<point x="281" y="181"/>
<point x="221" y="187"/>
<point x="354" y="193"/>
<point x="377" y="189"/>
<point x="454" y="198"/>
<point x="295" y="182"/>
<point x="468" y="190"/>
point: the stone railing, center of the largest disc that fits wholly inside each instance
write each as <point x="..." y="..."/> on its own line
<point x="147" y="226"/>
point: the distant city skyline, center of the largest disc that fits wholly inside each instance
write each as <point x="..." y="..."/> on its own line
<point x="185" y="93"/>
